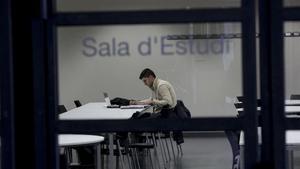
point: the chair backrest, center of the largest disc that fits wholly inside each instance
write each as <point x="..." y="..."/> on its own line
<point x="77" y="103"/>
<point x="61" y="109"/>
<point x="295" y="97"/>
<point x="238" y="105"/>
<point x="240" y="98"/>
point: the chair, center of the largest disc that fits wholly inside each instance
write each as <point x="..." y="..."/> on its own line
<point x="77" y="103"/>
<point x="238" y="105"/>
<point x="295" y="97"/>
<point x="240" y="98"/>
<point x="61" y="109"/>
<point x="140" y="147"/>
<point x="119" y="150"/>
<point x="233" y="136"/>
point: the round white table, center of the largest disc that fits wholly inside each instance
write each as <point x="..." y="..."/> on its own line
<point x="65" y="140"/>
<point x="78" y="139"/>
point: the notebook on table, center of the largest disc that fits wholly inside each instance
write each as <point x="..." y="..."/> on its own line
<point x="134" y="107"/>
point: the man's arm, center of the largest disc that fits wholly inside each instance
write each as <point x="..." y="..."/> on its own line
<point x="142" y="102"/>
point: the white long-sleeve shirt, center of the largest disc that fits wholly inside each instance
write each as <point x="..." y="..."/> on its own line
<point x="164" y="93"/>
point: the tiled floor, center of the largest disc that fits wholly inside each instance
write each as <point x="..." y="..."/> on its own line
<point x="206" y="152"/>
<point x="201" y="153"/>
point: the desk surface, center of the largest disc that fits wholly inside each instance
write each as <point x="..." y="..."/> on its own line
<point x="97" y="111"/>
<point x="292" y="137"/>
<point x="78" y="139"/>
<point x="292" y="102"/>
<point x="288" y="109"/>
<point x="287" y="102"/>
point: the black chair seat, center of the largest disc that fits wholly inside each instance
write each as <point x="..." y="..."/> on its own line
<point x="77" y="103"/>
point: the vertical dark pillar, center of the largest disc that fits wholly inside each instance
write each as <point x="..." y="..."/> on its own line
<point x="272" y="84"/>
<point x="23" y="82"/>
<point x="34" y="94"/>
<point x="6" y="88"/>
<point x="249" y="82"/>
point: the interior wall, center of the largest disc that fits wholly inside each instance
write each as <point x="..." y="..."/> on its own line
<point x="292" y="60"/>
<point x="206" y="74"/>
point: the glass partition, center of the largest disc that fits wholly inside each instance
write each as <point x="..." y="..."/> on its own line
<point x="292" y="58"/>
<point x="201" y="61"/>
<point x="131" y="5"/>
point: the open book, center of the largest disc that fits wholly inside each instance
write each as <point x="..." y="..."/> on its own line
<point x="134" y="107"/>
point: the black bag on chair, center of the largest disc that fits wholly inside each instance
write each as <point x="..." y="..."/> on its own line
<point x="120" y="101"/>
<point x="181" y="112"/>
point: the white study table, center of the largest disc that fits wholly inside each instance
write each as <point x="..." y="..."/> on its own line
<point x="289" y="109"/>
<point x="287" y="102"/>
<point x="292" y="102"/>
<point x="99" y="111"/>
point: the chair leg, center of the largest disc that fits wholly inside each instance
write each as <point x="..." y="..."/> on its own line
<point x="120" y="154"/>
<point x="155" y="151"/>
<point x="163" y="148"/>
<point x="290" y="159"/>
<point x="178" y="150"/>
<point x="129" y="161"/>
<point x="170" y="138"/>
<point x="181" y="152"/>
<point x="98" y="156"/>
<point x="68" y="152"/>
<point x="150" y="158"/>
<point x="135" y="156"/>
<point x="169" y="155"/>
<point x="162" y="152"/>
<point x="149" y="151"/>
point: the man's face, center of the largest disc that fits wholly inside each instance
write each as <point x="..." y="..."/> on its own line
<point x="148" y="81"/>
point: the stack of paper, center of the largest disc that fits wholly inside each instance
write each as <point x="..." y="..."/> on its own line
<point x="134" y="107"/>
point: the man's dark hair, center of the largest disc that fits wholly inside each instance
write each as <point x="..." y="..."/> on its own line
<point x="146" y="73"/>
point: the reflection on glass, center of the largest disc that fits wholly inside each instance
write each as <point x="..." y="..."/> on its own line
<point x="291" y="3"/>
<point x="129" y="5"/>
<point x="206" y="73"/>
<point x="292" y="59"/>
<point x="291" y="65"/>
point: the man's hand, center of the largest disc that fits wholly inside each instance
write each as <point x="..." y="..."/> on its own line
<point x="138" y="102"/>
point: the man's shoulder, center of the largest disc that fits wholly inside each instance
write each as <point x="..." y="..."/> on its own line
<point x="162" y="82"/>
